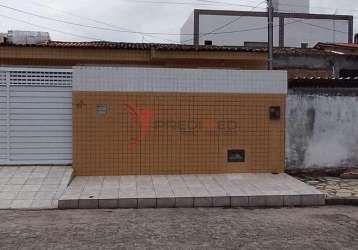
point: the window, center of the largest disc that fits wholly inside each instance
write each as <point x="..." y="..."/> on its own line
<point x="304" y="45"/>
<point x="208" y="42"/>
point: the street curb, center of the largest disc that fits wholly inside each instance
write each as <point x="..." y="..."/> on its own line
<point x="342" y="201"/>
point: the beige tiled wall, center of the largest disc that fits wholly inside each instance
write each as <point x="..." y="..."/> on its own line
<point x="186" y="133"/>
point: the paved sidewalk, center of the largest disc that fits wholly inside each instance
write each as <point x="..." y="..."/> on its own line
<point x="32" y="187"/>
<point x="222" y="190"/>
<point x="334" y="186"/>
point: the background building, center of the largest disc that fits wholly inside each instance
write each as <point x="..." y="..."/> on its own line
<point x="294" y="26"/>
<point x="292" y="6"/>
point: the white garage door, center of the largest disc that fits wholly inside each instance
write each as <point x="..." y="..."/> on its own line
<point x="35" y="116"/>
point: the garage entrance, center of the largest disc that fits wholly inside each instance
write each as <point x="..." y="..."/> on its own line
<point x="35" y="116"/>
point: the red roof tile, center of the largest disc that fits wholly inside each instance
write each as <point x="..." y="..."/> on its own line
<point x="140" y="46"/>
<point x="171" y="47"/>
<point x="337" y="45"/>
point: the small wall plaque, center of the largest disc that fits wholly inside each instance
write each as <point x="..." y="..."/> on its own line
<point x="275" y="113"/>
<point x="101" y="109"/>
<point x="236" y="155"/>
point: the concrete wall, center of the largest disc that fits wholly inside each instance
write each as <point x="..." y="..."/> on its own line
<point x="315" y="65"/>
<point x="246" y="29"/>
<point x="322" y="131"/>
<point x="296" y="6"/>
<point x="312" y="31"/>
<point x="129" y="120"/>
<point x="253" y="28"/>
<point x="187" y="28"/>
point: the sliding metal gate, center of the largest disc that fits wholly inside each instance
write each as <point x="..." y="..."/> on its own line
<point x="35" y="116"/>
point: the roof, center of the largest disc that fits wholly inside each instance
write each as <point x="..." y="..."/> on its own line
<point x="327" y="78"/>
<point x="319" y="82"/>
<point x="300" y="51"/>
<point x="350" y="46"/>
<point x="171" y="47"/>
<point x="140" y="46"/>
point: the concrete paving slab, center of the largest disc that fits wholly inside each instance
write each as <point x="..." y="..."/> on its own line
<point x="239" y="201"/>
<point x="68" y="203"/>
<point x="8" y="195"/>
<point x="147" y="202"/>
<point x="203" y="201"/>
<point x="165" y="202"/>
<point x="33" y="187"/>
<point x="223" y="190"/>
<point x="275" y="201"/>
<point x="88" y="203"/>
<point x="26" y="195"/>
<point x="292" y="200"/>
<point x="42" y="204"/>
<point x="21" y="204"/>
<point x="128" y="203"/>
<point x="108" y="203"/>
<point x="258" y="200"/>
<point x="5" y="204"/>
<point x="223" y="201"/>
<point x="178" y="186"/>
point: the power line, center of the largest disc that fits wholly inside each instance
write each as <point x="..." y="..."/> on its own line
<point x="96" y="21"/>
<point x="253" y="29"/>
<point x="321" y="27"/>
<point x="234" y="20"/>
<point x="78" y="16"/>
<point x="102" y="28"/>
<point x="215" y="3"/>
<point x="116" y="30"/>
<point x="207" y="3"/>
<point x="224" y="25"/>
<point x="97" y="39"/>
<point x="137" y="32"/>
<point x="320" y="7"/>
<point x="88" y="26"/>
<point x="47" y="28"/>
<point x="275" y="26"/>
<point x="294" y="5"/>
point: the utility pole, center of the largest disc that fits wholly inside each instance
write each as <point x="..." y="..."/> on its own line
<point x="270" y="34"/>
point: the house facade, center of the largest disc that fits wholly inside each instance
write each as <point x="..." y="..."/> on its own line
<point x="36" y="86"/>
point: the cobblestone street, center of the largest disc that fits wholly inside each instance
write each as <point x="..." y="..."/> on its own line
<point x="327" y="227"/>
<point x="334" y="186"/>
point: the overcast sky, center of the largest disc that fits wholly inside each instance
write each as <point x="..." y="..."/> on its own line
<point x="153" y="16"/>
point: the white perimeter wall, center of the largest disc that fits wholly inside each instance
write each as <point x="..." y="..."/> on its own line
<point x="321" y="131"/>
<point x="179" y="80"/>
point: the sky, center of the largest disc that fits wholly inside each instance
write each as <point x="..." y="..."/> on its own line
<point x="121" y="20"/>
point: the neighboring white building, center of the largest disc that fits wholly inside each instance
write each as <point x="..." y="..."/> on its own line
<point x="291" y="6"/>
<point x="294" y="26"/>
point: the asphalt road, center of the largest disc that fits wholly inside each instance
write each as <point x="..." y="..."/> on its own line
<point x="287" y="228"/>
